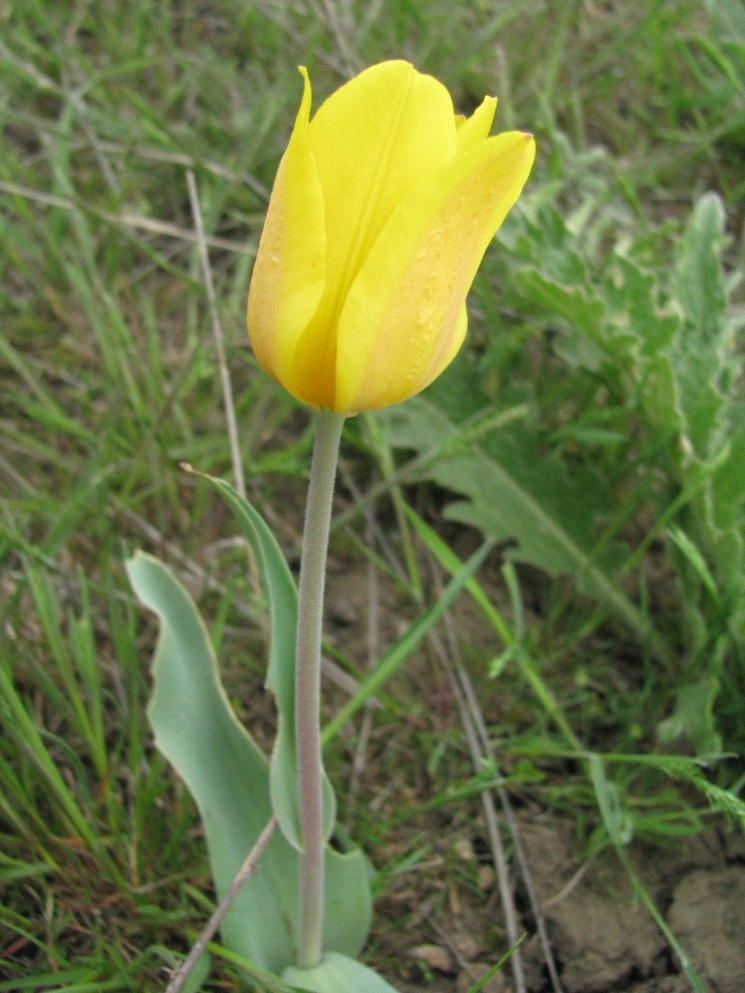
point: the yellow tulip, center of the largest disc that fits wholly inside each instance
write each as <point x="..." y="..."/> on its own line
<point x="382" y="209"/>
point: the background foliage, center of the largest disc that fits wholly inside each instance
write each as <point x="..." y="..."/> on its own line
<point x="594" y="425"/>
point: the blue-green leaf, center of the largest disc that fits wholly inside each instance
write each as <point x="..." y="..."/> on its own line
<point x="337" y="974"/>
<point x="198" y="975"/>
<point x="228" y="776"/>
<point x="281" y="594"/>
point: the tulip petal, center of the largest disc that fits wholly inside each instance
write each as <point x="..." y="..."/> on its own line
<point x="372" y="141"/>
<point x="475" y="128"/>
<point x="289" y="272"/>
<point x="403" y="317"/>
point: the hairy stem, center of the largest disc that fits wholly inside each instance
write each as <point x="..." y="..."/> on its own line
<point x="308" y="683"/>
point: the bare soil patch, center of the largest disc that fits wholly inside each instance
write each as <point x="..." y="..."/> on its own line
<point x="603" y="938"/>
<point x="439" y="925"/>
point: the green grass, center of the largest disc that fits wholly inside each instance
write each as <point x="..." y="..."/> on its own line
<point x="108" y="379"/>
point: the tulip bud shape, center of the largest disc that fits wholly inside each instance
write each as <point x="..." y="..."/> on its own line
<point x="383" y="206"/>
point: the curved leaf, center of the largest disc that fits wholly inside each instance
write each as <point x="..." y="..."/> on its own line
<point x="228" y="776"/>
<point x="337" y="974"/>
<point x="281" y="595"/>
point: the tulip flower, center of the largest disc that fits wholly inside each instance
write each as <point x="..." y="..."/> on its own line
<point x="382" y="209"/>
<point x="383" y="206"/>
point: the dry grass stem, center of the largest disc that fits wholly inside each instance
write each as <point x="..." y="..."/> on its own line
<point x="128" y="220"/>
<point x="351" y="63"/>
<point x="209" y="286"/>
<point x="377" y="532"/>
<point x="178" y="158"/>
<point x="487" y="751"/>
<point x="490" y="813"/>
<point x="227" y="388"/>
<point x="570" y="886"/>
<point x="373" y="649"/>
<point x="335" y="674"/>
<point x="248" y="868"/>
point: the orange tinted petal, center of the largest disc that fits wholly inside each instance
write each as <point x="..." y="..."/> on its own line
<point x="372" y="141"/>
<point x="403" y="318"/>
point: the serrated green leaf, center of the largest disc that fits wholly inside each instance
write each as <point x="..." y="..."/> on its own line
<point x="693" y="717"/>
<point x="517" y="492"/>
<point x="337" y="974"/>
<point x="281" y="595"/>
<point x="632" y="294"/>
<point x="228" y="776"/>
<point x="617" y="821"/>
<point x="546" y="241"/>
<point x="579" y="310"/>
<point x="728" y="478"/>
<point x="727" y="514"/>
<point x="693" y="555"/>
<point x="698" y="282"/>
<point x="700" y="354"/>
<point x="699" y="398"/>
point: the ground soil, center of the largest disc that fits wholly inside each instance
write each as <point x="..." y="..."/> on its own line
<point x="602" y="937"/>
<point x="439" y="925"/>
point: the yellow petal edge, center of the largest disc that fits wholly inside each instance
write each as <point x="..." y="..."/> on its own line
<point x="382" y="209"/>
<point x="290" y="269"/>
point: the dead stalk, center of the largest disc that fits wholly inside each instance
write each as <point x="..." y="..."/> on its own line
<point x="248" y="868"/>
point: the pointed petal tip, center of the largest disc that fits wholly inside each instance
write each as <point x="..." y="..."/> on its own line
<point x="528" y="144"/>
<point x="306" y="99"/>
<point x="306" y="82"/>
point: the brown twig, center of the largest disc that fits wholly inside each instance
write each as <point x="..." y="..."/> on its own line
<point x="564" y="892"/>
<point x="248" y="868"/>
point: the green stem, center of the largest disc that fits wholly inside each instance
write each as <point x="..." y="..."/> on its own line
<point x="308" y="684"/>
